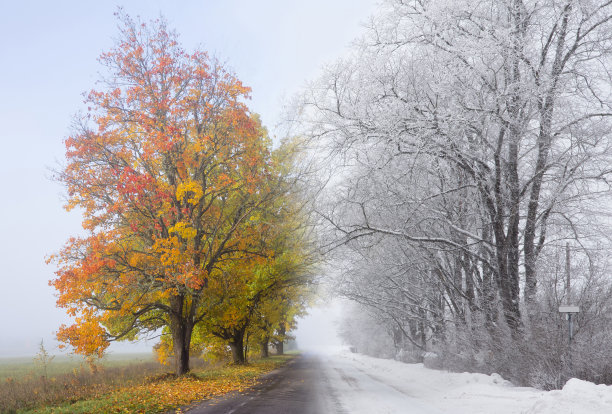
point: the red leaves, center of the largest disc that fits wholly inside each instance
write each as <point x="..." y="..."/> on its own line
<point x="133" y="185"/>
<point x="165" y="169"/>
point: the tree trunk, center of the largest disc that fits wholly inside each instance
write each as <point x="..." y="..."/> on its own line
<point x="280" y="348"/>
<point x="547" y="107"/>
<point x="237" y="353"/>
<point x="422" y="331"/>
<point x="237" y="346"/>
<point x="279" y="344"/>
<point x="181" y="357"/>
<point x="264" y="348"/>
<point x="181" y="329"/>
<point x="246" y="348"/>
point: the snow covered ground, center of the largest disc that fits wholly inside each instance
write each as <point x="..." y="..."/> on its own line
<point x="360" y="384"/>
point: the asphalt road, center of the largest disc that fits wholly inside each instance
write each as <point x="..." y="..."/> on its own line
<point x="299" y="387"/>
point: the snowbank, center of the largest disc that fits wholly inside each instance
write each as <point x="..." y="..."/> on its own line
<point x="576" y="397"/>
<point x="412" y="388"/>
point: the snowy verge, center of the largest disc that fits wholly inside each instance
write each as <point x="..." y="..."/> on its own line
<point x="447" y="392"/>
<point x="576" y="397"/>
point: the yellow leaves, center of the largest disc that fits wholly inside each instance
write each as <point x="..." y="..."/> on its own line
<point x="169" y="251"/>
<point x="184" y="230"/>
<point x="166" y="184"/>
<point x="163" y="350"/>
<point x="166" y="393"/>
<point x="137" y="259"/>
<point x="201" y="145"/>
<point x="189" y="191"/>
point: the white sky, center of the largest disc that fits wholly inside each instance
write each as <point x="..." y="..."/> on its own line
<point x="48" y="52"/>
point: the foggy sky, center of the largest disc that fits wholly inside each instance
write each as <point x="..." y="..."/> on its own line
<point x="48" y="56"/>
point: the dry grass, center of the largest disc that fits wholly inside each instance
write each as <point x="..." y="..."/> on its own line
<point x="171" y="394"/>
<point x="70" y="380"/>
<point x="21" y="367"/>
<point x="131" y="390"/>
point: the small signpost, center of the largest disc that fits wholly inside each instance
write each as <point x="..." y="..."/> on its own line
<point x="568" y="309"/>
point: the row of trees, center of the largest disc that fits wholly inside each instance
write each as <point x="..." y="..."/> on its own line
<point x="195" y="227"/>
<point x="470" y="141"/>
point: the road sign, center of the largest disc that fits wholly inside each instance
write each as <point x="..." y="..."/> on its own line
<point x="569" y="309"/>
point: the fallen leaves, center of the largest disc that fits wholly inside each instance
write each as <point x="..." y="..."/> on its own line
<point x="168" y="393"/>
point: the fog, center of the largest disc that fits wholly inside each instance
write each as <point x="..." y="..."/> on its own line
<point x="49" y="60"/>
<point x="318" y="331"/>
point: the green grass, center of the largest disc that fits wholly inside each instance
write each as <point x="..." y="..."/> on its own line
<point x="22" y="367"/>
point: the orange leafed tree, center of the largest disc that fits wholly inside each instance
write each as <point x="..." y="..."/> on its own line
<point x="167" y="165"/>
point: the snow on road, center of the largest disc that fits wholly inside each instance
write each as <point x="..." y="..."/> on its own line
<point x="360" y="384"/>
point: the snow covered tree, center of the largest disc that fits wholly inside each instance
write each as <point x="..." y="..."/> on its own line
<point x="476" y="134"/>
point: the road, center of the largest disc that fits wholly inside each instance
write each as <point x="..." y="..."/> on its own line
<point x="299" y="387"/>
<point x="345" y="383"/>
<point x="356" y="388"/>
<point x="318" y="384"/>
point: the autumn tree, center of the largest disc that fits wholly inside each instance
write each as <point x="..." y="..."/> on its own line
<point x="256" y="303"/>
<point x="277" y="317"/>
<point x="167" y="165"/>
<point x="257" y="293"/>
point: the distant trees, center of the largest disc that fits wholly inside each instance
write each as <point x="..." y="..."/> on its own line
<point x="473" y="140"/>
<point x="184" y="203"/>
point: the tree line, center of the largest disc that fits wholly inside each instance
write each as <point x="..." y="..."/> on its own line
<point x="196" y="229"/>
<point x="467" y="143"/>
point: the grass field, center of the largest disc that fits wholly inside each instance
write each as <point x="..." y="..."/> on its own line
<point x="17" y="368"/>
<point x="133" y="383"/>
